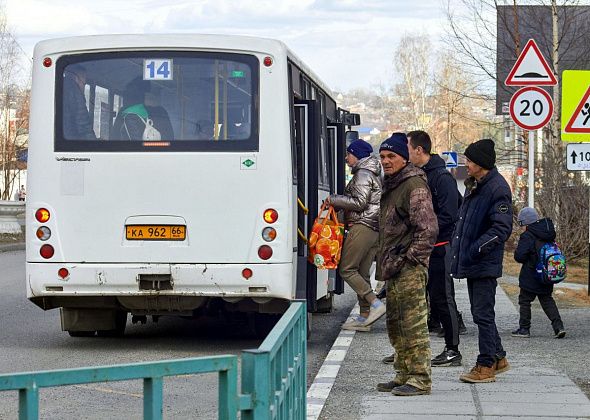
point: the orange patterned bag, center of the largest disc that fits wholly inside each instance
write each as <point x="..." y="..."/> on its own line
<point x="325" y="239"/>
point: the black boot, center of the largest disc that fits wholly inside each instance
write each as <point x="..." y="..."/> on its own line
<point x="462" y="327"/>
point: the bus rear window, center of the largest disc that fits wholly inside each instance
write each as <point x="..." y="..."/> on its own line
<point x="157" y="101"/>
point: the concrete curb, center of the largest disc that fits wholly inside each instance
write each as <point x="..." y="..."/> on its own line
<point x="17" y="246"/>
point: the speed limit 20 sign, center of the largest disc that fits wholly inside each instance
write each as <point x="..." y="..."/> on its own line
<point x="531" y="108"/>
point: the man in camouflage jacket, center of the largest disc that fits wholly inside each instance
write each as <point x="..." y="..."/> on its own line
<point x="407" y="231"/>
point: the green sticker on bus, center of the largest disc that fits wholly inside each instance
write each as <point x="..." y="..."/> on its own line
<point x="237" y="73"/>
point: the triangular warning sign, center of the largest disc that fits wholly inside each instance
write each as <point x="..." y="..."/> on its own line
<point x="531" y="68"/>
<point x="580" y="119"/>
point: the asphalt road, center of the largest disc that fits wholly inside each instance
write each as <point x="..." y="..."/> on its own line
<point x="31" y="340"/>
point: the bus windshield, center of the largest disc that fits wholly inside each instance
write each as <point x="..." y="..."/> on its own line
<point x="157" y="101"/>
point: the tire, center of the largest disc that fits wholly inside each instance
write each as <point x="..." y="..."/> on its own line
<point x="325" y="304"/>
<point x="120" y="324"/>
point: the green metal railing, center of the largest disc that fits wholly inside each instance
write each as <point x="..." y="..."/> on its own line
<point x="275" y="373"/>
<point x="273" y="377"/>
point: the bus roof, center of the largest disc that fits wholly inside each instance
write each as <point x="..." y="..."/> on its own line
<point x="94" y="43"/>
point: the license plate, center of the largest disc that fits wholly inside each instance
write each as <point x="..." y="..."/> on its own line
<point x="155" y="232"/>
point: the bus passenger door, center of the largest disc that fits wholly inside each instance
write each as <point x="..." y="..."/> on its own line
<point x="307" y="145"/>
<point x="338" y="142"/>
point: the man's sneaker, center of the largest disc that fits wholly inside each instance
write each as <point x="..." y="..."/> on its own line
<point x="447" y="358"/>
<point x="356" y="324"/>
<point x="479" y="374"/>
<point x="389" y="360"/>
<point x="387" y="386"/>
<point x="560" y="333"/>
<point x="409" y="391"/>
<point x="521" y="332"/>
<point x="462" y="327"/>
<point x="377" y="311"/>
<point x="501" y="365"/>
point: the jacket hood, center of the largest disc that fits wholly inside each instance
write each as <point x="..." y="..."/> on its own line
<point x="435" y="162"/>
<point x="370" y="163"/>
<point x="392" y="181"/>
<point x="543" y="229"/>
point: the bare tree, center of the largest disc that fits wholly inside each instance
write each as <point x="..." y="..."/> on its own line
<point x="14" y="107"/>
<point x="411" y="63"/>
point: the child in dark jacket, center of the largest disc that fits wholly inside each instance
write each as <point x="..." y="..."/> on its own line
<point x="537" y="232"/>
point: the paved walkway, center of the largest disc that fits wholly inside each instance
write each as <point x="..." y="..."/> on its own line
<point x="527" y="391"/>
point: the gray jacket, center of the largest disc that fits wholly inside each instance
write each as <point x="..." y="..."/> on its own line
<point x="362" y="194"/>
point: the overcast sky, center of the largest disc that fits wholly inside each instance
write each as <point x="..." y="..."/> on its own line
<point x="349" y="43"/>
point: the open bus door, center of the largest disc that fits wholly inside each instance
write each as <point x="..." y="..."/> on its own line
<point x="336" y="131"/>
<point x="311" y="282"/>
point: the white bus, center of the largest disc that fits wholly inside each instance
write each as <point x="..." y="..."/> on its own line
<point x="165" y="173"/>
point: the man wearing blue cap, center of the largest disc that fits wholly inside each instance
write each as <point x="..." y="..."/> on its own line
<point x="407" y="231"/>
<point x="360" y="203"/>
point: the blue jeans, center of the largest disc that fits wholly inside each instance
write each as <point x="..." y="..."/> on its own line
<point x="482" y="297"/>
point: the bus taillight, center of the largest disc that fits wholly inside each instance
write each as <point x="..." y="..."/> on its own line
<point x="269" y="234"/>
<point x="42" y="215"/>
<point x="63" y="272"/>
<point x="43" y="233"/>
<point x="247" y="273"/>
<point x="47" y="62"/>
<point x="47" y="251"/>
<point x="265" y="252"/>
<point x="267" y="61"/>
<point x="271" y="216"/>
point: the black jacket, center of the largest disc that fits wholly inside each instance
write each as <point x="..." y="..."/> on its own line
<point x="527" y="253"/>
<point x="77" y="124"/>
<point x="445" y="196"/>
<point x="484" y="225"/>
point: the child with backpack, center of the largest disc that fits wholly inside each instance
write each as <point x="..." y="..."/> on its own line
<point x="543" y="265"/>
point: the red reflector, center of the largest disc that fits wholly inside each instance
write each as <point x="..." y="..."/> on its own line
<point x="247" y="273"/>
<point x="265" y="252"/>
<point x="63" y="272"/>
<point x="267" y="61"/>
<point x="46" y="251"/>
<point x="42" y="215"/>
<point x="271" y="216"/>
<point x="47" y="62"/>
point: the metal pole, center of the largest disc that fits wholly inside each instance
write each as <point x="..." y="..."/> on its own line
<point x="531" y="200"/>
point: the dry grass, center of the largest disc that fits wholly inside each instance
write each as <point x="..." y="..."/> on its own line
<point x="576" y="272"/>
<point x="565" y="298"/>
<point x="11" y="239"/>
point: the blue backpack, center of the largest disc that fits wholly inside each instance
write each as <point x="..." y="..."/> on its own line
<point x="551" y="267"/>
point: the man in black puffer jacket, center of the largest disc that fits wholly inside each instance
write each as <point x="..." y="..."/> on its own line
<point x="484" y="225"/>
<point x="527" y="253"/>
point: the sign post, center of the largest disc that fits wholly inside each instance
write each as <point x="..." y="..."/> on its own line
<point x="531" y="107"/>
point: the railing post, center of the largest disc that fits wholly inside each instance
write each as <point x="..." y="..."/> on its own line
<point x="256" y="381"/>
<point x="152" y="398"/>
<point x="228" y="393"/>
<point x="28" y="403"/>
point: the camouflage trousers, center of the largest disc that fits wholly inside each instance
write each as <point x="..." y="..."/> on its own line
<point x="407" y="315"/>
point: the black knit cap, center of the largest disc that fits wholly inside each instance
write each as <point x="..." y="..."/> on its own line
<point x="482" y="153"/>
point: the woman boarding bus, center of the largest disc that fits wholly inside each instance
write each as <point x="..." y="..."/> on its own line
<point x="170" y="174"/>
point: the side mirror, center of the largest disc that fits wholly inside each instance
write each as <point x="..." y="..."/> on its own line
<point x="351" y="136"/>
<point x="352" y="119"/>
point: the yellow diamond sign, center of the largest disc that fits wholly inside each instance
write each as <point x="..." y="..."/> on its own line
<point x="575" y="106"/>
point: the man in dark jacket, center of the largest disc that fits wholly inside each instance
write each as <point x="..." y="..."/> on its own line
<point x="484" y="225"/>
<point x="77" y="124"/>
<point x="407" y="231"/>
<point x="537" y="232"/>
<point x="445" y="201"/>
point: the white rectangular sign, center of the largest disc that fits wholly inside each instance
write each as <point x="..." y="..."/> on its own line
<point x="578" y="156"/>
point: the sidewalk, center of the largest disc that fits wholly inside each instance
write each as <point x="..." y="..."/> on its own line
<point x="529" y="390"/>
